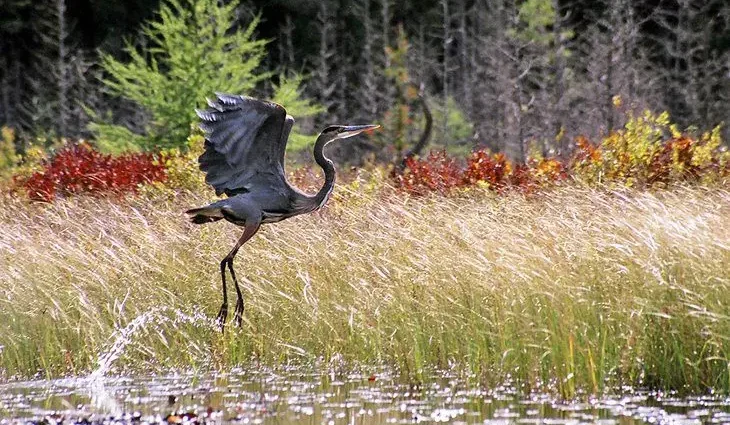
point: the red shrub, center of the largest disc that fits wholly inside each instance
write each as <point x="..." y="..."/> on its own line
<point x="674" y="161"/>
<point x="586" y="153"/>
<point x="440" y="173"/>
<point x="435" y="173"/>
<point x="80" y="169"/>
<point x="493" y="169"/>
<point x="634" y="156"/>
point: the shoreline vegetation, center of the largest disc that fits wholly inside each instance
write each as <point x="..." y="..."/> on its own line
<point x="573" y="288"/>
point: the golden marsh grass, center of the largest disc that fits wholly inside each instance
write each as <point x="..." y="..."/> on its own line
<point x="572" y="288"/>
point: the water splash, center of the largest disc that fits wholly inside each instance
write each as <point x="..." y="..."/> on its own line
<point x="121" y="338"/>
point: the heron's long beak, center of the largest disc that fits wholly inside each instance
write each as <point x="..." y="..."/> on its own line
<point x="354" y="130"/>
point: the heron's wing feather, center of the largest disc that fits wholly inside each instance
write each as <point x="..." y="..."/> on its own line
<point x="244" y="143"/>
<point x="288" y="124"/>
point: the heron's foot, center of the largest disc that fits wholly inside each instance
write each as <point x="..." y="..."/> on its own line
<point x="222" y="316"/>
<point x="238" y="315"/>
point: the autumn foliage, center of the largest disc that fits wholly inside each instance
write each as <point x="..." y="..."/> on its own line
<point x="440" y="173"/>
<point x="437" y="172"/>
<point x="78" y="168"/>
<point x="648" y="152"/>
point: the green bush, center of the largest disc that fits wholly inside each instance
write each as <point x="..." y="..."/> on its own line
<point x="193" y="51"/>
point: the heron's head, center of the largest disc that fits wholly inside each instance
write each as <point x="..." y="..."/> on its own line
<point x="335" y="132"/>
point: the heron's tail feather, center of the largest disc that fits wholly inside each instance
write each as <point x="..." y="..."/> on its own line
<point x="201" y="210"/>
<point x="201" y="219"/>
<point x="204" y="215"/>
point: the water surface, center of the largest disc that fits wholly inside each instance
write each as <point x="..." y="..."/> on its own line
<point x="289" y="396"/>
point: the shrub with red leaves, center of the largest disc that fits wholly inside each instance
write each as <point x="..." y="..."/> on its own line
<point x="674" y="162"/>
<point x="435" y="173"/>
<point x="483" y="167"/>
<point x="440" y="173"/>
<point x="80" y="169"/>
<point x="585" y="152"/>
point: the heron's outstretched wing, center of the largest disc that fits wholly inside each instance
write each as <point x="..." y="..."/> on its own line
<point x="245" y="140"/>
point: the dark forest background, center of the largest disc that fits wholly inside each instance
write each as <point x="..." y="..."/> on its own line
<point x="507" y="74"/>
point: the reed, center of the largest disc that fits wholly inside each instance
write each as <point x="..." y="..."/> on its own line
<point x="574" y="288"/>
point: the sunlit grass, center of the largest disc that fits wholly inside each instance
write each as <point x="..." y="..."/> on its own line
<point x="573" y="288"/>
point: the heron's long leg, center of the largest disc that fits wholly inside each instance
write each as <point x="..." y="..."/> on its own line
<point x="238" y="312"/>
<point x="223" y="312"/>
<point x="250" y="229"/>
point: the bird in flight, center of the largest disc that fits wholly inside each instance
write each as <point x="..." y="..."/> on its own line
<point x="245" y="140"/>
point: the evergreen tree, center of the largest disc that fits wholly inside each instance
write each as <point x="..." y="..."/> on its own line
<point x="191" y="52"/>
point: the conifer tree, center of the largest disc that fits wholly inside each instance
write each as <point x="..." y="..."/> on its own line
<point x="191" y="53"/>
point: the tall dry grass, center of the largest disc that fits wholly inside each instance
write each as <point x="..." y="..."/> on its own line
<point x="573" y="288"/>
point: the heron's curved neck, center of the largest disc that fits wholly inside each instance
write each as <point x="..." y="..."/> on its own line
<point x="329" y="172"/>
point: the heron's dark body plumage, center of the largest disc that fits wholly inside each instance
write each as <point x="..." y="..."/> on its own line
<point x="238" y="208"/>
<point x="245" y="141"/>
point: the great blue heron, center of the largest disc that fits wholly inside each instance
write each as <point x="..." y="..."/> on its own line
<point x="245" y="140"/>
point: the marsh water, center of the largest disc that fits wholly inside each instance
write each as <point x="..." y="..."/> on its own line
<point x="295" y="395"/>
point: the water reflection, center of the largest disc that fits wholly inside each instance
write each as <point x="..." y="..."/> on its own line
<point x="294" y="396"/>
